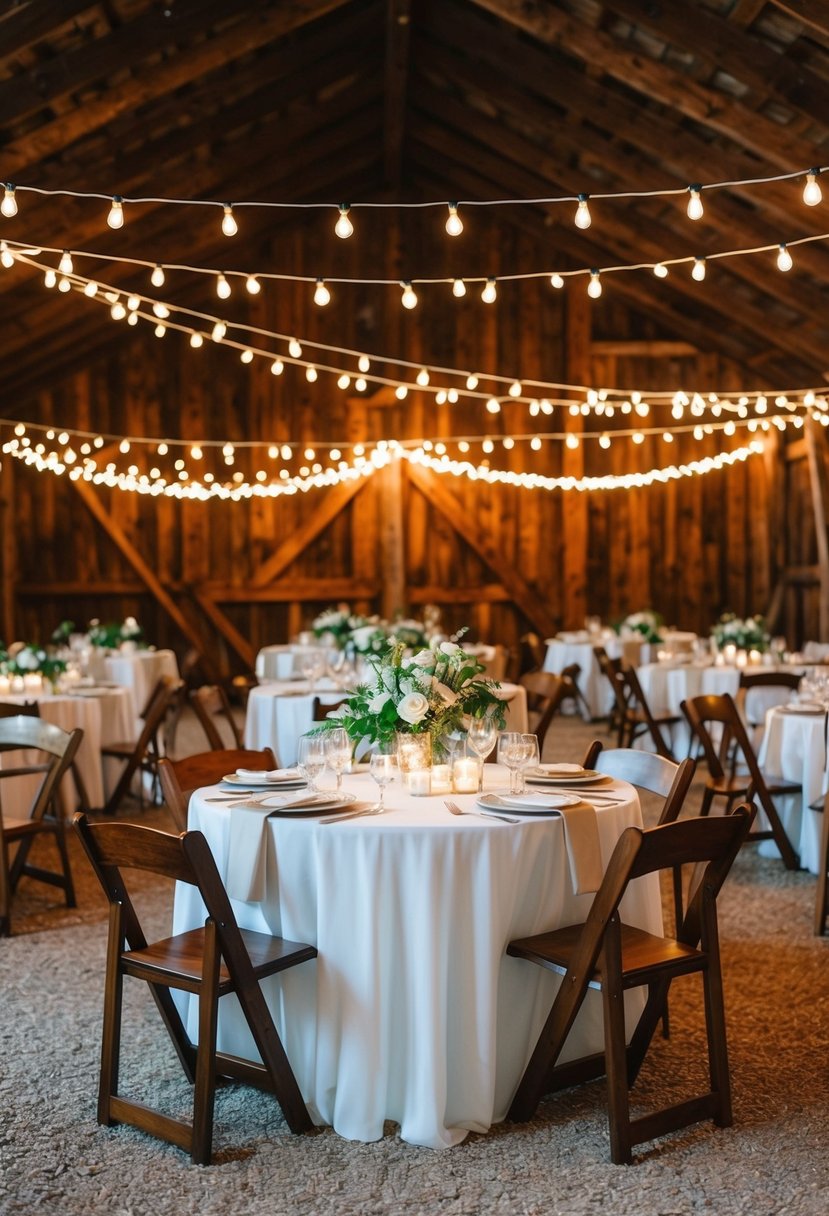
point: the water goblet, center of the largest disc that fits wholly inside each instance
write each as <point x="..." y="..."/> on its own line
<point x="510" y="753"/>
<point x="481" y="738"/>
<point x="530" y="759"/>
<point x="311" y="758"/>
<point x="338" y="753"/>
<point x="383" y="768"/>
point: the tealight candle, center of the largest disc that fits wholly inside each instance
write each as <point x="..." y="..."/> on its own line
<point x="5" y="685"/>
<point x="17" y="684"/>
<point x="742" y="658"/>
<point x="465" y="775"/>
<point x="755" y="657"/>
<point x="441" y="779"/>
<point x="32" y="683"/>
<point x="420" y="782"/>
<point x="730" y="653"/>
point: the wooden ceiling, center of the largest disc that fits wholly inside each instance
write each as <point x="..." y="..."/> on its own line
<point x="322" y="100"/>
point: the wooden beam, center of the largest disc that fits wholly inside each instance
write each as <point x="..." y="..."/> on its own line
<point x="812" y="14"/>
<point x="226" y="628"/>
<point x="574" y="519"/>
<point x="487" y="593"/>
<point x="332" y="503"/>
<point x="746" y="12"/>
<point x="131" y="554"/>
<point x="293" y="590"/>
<point x="654" y="349"/>
<point x="68" y="589"/>
<point x="8" y="550"/>
<point x="525" y="597"/>
<point x="398" y="23"/>
<point x="392" y="535"/>
<point x="819" y="485"/>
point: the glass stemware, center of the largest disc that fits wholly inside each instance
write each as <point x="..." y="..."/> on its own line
<point x="338" y="753"/>
<point x="311" y="758"/>
<point x="383" y="768"/>
<point x="481" y="738"/>
<point x="530" y="759"/>
<point x="511" y="748"/>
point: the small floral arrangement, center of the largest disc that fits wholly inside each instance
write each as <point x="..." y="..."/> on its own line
<point x="336" y="624"/>
<point x="648" y="623"/>
<point x="746" y="634"/>
<point x="411" y="634"/>
<point x="369" y="637"/>
<point x="62" y="634"/>
<point x="111" y="635"/>
<point x="366" y="634"/>
<point x="30" y="659"/>
<point x="431" y="691"/>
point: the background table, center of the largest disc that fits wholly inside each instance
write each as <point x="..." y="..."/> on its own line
<point x="412" y="1012"/>
<point x="794" y="747"/>
<point x="577" y="647"/>
<point x="138" y="671"/>
<point x="279" y="712"/>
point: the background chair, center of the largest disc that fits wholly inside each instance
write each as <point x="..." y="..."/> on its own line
<point x="321" y="710"/>
<point x="608" y="954"/>
<point x="212" y="708"/>
<point x="733" y="770"/>
<point x="611" y="669"/>
<point x="640" y="720"/>
<point x="142" y="755"/>
<point x="545" y="694"/>
<point x="211" y="961"/>
<point x="26" y="731"/>
<point x="179" y="778"/>
<point x="758" y="691"/>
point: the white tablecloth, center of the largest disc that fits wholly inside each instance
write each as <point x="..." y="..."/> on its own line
<point x="276" y="662"/>
<point x="106" y="717"/>
<point x="279" y="712"/>
<point x="413" y="1012"/>
<point x="138" y="671"/>
<point x="794" y="746"/>
<point x="577" y="647"/>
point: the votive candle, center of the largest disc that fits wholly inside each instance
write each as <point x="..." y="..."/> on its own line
<point x="420" y="782"/>
<point x="441" y="779"/>
<point x="465" y="774"/>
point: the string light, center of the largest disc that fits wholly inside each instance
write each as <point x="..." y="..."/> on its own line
<point x="695" y="208"/>
<point x="698" y="271"/>
<point x="408" y="298"/>
<point x="218" y="332"/>
<point x="196" y="340"/>
<point x="454" y="223"/>
<point x="229" y="225"/>
<point x="594" y="286"/>
<point x="157" y="277"/>
<point x="322" y="295"/>
<point x="65" y="265"/>
<point x="458" y="288"/>
<point x="422" y="377"/>
<point x="556" y="281"/>
<point x="583" y="218"/>
<point x="660" y="270"/>
<point x="252" y="285"/>
<point x="222" y="288"/>
<point x="343" y="227"/>
<point x="784" y="259"/>
<point x="489" y="293"/>
<point x="6" y="256"/>
<point x="294" y="349"/>
<point x="364" y="364"/>
<point x="812" y="193"/>
<point x="115" y="219"/>
<point x="8" y="206"/>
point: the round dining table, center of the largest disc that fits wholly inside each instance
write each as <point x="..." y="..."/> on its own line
<point x="795" y="747"/>
<point x="138" y="671"/>
<point x="412" y="1011"/>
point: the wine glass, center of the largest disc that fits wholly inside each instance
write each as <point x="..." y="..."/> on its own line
<point x="511" y="749"/>
<point x="530" y="758"/>
<point x="383" y="768"/>
<point x="481" y="738"/>
<point x="311" y="758"/>
<point x="338" y="753"/>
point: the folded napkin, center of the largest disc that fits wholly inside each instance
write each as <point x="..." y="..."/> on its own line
<point x="559" y="770"/>
<point x="581" y="835"/>
<point x="247" y="851"/>
<point x="275" y="774"/>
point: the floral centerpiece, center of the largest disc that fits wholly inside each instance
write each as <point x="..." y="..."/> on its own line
<point x="336" y="624"/>
<point x="409" y="633"/>
<point x="111" y="635"/>
<point x="648" y="623"/>
<point x="746" y="634"/>
<point x="430" y="692"/>
<point x="364" y="635"/>
<point x="30" y="659"/>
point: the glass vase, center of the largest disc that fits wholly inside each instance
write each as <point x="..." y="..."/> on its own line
<point x="414" y="759"/>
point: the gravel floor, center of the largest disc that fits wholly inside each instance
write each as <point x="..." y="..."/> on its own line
<point x="55" y="1159"/>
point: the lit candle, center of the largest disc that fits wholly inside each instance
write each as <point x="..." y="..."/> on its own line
<point x="730" y="653"/>
<point x="441" y="779"/>
<point x="32" y="683"/>
<point x="742" y="658"/>
<point x="17" y="684"/>
<point x="5" y="686"/>
<point x="465" y="774"/>
<point x="754" y="657"/>
<point x="420" y="781"/>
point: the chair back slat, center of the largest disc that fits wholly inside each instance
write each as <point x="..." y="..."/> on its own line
<point x="705" y="839"/>
<point x="179" y="778"/>
<point x="125" y="845"/>
<point x="212" y="707"/>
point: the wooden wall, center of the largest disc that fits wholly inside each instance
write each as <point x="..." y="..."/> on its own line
<point x="502" y="560"/>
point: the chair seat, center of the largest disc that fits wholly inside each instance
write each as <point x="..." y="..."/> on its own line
<point x="642" y="953"/>
<point x="738" y="785"/>
<point x="14" y="828"/>
<point x="181" y="958"/>
<point x="124" y="749"/>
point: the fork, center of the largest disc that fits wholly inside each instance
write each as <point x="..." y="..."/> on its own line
<point x="454" y="809"/>
<point x="372" y="810"/>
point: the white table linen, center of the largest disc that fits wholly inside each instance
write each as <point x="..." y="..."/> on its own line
<point x="413" y="1012"/>
<point x="276" y="662"/>
<point x="794" y="747"/>
<point x="138" y="671"/>
<point x="280" y="712"/>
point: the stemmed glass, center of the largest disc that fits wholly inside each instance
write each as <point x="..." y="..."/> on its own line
<point x="531" y="759"/>
<point x="311" y="758"/>
<point x="481" y="738"/>
<point x="338" y="753"/>
<point x="383" y="768"/>
<point x="511" y="748"/>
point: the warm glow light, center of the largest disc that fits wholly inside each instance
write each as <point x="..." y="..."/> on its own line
<point x="90" y="289"/>
<point x="458" y="288"/>
<point x="401" y="392"/>
<point x="698" y="271"/>
<point x="157" y="276"/>
<point x="812" y="193"/>
<point x="294" y="349"/>
<point x="594" y="287"/>
<point x="556" y="281"/>
<point x="229" y="225"/>
<point x="344" y="381"/>
<point x="222" y="287"/>
<point x="8" y="206"/>
<point x="660" y="271"/>
<point x="695" y="207"/>
<point x="583" y="218"/>
<point x="322" y="295"/>
<point x="311" y="374"/>
<point x="493" y="405"/>
<point x="277" y="367"/>
<point x="246" y="356"/>
<point x="454" y="224"/>
<point x="65" y="264"/>
<point x="422" y="377"/>
<point x="409" y="298"/>
<point x="515" y="389"/>
<point x="784" y="259"/>
<point x="196" y="340"/>
<point x="253" y="285"/>
<point x="489" y="293"/>
<point x="472" y="382"/>
<point x="115" y="219"/>
<point x="343" y="227"/>
<point x="219" y="331"/>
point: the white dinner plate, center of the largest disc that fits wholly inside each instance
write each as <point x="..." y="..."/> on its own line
<point x="324" y="804"/>
<point x="284" y="783"/>
<point x="812" y="711"/>
<point x="551" y="774"/>
<point x="534" y="803"/>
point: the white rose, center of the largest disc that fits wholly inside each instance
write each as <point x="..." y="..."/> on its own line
<point x="423" y="658"/>
<point x="413" y="708"/>
<point x="378" y="701"/>
<point x="449" y="697"/>
<point x="449" y="648"/>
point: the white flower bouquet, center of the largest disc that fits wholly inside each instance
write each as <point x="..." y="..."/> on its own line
<point x="648" y="623"/>
<point x="749" y="633"/>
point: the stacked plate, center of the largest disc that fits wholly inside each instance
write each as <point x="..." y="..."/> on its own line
<point x="276" y="779"/>
<point x="565" y="774"/>
<point x="535" y="802"/>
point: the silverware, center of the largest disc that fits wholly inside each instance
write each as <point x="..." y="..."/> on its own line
<point x="454" y="809"/>
<point x="242" y="794"/>
<point x="372" y="810"/>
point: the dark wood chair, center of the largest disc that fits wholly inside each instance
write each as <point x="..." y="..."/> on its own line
<point x="44" y="818"/>
<point x="179" y="778"/>
<point x="611" y="669"/>
<point x="784" y="684"/>
<point x="320" y="710"/>
<point x="142" y="755"/>
<point x="210" y="961"/>
<point x="640" y="720"/>
<point x="733" y="771"/>
<point x="822" y="892"/>
<point x="190" y="670"/>
<point x="545" y="694"/>
<point x="608" y="954"/>
<point x="212" y="708"/>
<point x="572" y="672"/>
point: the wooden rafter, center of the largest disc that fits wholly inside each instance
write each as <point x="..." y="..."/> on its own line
<point x="398" y="19"/>
<point x="813" y="14"/>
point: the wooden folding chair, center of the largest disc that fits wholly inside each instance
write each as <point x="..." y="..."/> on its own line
<point x="321" y="710"/>
<point x="640" y="720"/>
<point x="210" y="962"/>
<point x="545" y="694"/>
<point x="44" y="818"/>
<point x="781" y="683"/>
<point x="142" y="755"/>
<point x="212" y="707"/>
<point x="611" y="669"/>
<point x="733" y="771"/>
<point x="822" y="892"/>
<point x="607" y="954"/>
<point x="179" y="778"/>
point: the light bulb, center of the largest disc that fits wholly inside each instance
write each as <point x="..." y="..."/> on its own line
<point x="812" y="193"/>
<point x="196" y="340"/>
<point x="160" y="330"/>
<point x="572" y="441"/>
<point x="310" y="374"/>
<point x="471" y="381"/>
<point x="115" y="219"/>
<point x="118" y="312"/>
<point x="422" y="377"/>
<point x="65" y="264"/>
<point x="219" y="331"/>
<point x="344" y="382"/>
<point x="253" y="285"/>
<point x="364" y="363"/>
<point x="277" y="367"/>
<point x="157" y="276"/>
<point x="133" y="303"/>
<point x="489" y="293"/>
<point x="222" y="287"/>
<point x="161" y="310"/>
<point x="90" y="289"/>
<point x="64" y="284"/>
<point x="246" y="356"/>
<point x="556" y="281"/>
<point x="229" y="225"/>
<point x="294" y="349"/>
<point x="454" y="224"/>
<point x="401" y="392"/>
<point x="132" y="319"/>
<point x="8" y="207"/>
<point x="360" y="384"/>
<point x="604" y="441"/>
<point x="322" y="295"/>
<point x="343" y="226"/>
<point x="698" y="272"/>
<point x="458" y="288"/>
<point x="515" y="389"/>
<point x="784" y="259"/>
<point x="7" y="258"/>
<point x="594" y="287"/>
<point x="660" y="271"/>
<point x="583" y="218"/>
<point x="493" y="406"/>
<point x="695" y="208"/>
<point x="409" y="298"/>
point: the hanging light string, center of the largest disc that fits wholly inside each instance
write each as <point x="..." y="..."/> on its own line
<point x="454" y="225"/>
<point x="200" y="326"/>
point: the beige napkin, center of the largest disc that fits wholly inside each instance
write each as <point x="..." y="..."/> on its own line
<point x="247" y="851"/>
<point x="274" y="774"/>
<point x="581" y="836"/>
